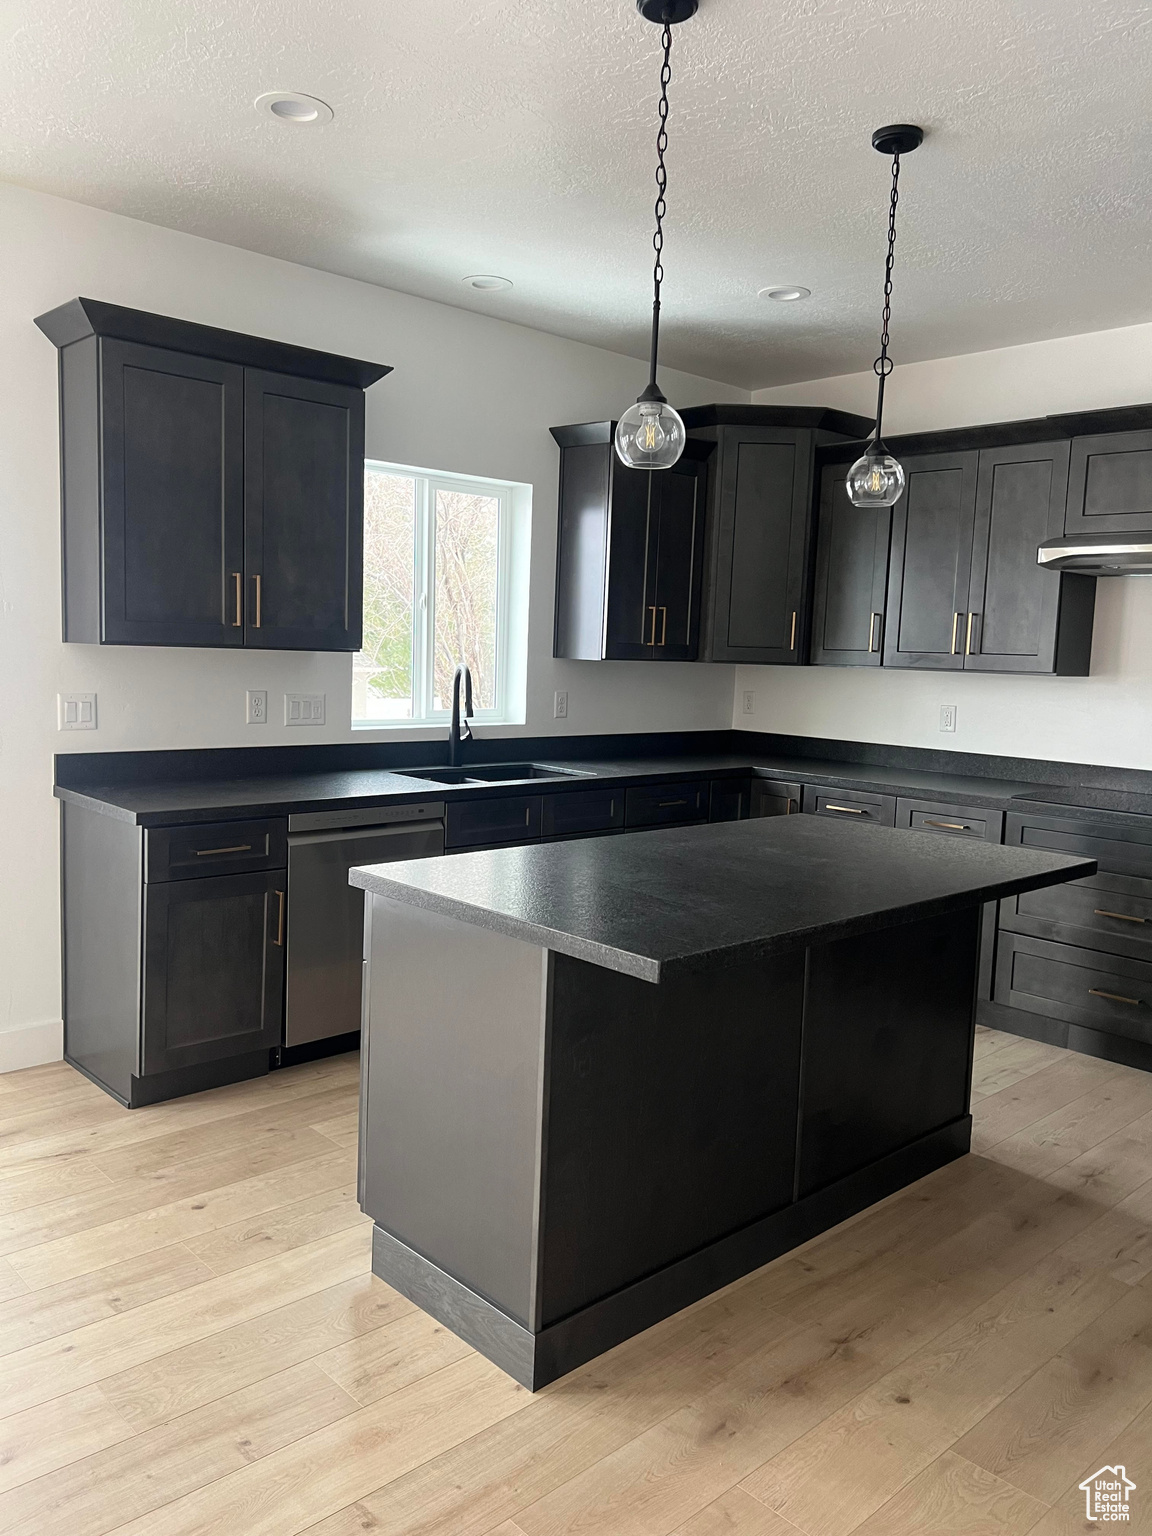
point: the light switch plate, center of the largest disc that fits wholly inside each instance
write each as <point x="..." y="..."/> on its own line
<point x="560" y="710"/>
<point x="76" y="711"/>
<point x="257" y="711"/>
<point x="947" y="717"/>
<point x="303" y="709"/>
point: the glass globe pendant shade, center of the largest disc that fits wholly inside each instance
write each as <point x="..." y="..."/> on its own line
<point x="650" y="436"/>
<point x="876" y="479"/>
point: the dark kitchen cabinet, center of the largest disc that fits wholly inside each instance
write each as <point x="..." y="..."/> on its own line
<point x="1110" y="484"/>
<point x="851" y="577"/>
<point x="212" y="484"/>
<point x="666" y="805"/>
<point x="931" y="562"/>
<point x="629" y="552"/>
<point x="213" y="969"/>
<point x="489" y="820"/>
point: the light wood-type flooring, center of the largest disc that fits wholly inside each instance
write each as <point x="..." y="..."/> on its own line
<point x="191" y="1343"/>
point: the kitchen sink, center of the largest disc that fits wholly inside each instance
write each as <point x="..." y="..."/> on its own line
<point x="494" y="773"/>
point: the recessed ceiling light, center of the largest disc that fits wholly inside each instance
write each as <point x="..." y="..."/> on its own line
<point x="785" y="295"/>
<point x="293" y="107"/>
<point x="487" y="283"/>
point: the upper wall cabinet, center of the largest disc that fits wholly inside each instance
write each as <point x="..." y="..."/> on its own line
<point x="629" y="552"/>
<point x="1110" y="487"/>
<point x="212" y="484"/>
<point x="760" y="542"/>
<point x="963" y="589"/>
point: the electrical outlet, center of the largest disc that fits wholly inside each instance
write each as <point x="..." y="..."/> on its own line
<point x="257" y="712"/>
<point x="76" y="711"/>
<point x="749" y="702"/>
<point x="560" y="709"/>
<point x="303" y="709"/>
<point x="947" y="717"/>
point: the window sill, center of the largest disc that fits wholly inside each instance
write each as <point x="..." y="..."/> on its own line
<point x="430" y="727"/>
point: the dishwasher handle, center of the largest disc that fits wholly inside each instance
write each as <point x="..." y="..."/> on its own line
<point x="358" y="834"/>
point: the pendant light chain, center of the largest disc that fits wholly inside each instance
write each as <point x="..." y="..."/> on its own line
<point x="661" y="207"/>
<point x="883" y="365"/>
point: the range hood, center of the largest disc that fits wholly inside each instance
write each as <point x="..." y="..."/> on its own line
<point x="1098" y="554"/>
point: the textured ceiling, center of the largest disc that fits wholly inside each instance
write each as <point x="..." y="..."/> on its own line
<point x="516" y="137"/>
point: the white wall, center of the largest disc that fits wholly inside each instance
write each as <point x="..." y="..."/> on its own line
<point x="468" y="393"/>
<point x="1104" y="718"/>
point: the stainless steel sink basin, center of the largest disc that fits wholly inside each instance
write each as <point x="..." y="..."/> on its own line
<point x="494" y="773"/>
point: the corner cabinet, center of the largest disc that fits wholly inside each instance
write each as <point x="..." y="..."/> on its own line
<point x="947" y="579"/>
<point x="629" y="552"/>
<point x="212" y="484"/>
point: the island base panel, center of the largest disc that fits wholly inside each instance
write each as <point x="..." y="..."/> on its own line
<point x="535" y="1359"/>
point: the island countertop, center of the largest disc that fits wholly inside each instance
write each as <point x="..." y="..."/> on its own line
<point x="685" y="899"/>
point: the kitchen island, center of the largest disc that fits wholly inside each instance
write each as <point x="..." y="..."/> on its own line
<point x="603" y="1078"/>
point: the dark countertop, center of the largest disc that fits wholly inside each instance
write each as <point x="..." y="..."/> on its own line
<point x="172" y="803"/>
<point x="691" y="898"/>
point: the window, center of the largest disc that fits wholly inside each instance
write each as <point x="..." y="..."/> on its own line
<point x="445" y="568"/>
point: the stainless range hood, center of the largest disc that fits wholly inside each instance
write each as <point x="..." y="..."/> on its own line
<point x="1098" y="554"/>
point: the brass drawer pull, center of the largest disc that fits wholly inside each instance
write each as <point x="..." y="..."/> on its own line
<point x="663" y="805"/>
<point x="790" y="802"/>
<point x="850" y="810"/>
<point x="956" y="617"/>
<point x="652" y="611"/>
<point x="280" y="919"/>
<point x="259" y="584"/>
<point x="950" y="826"/>
<point x="1114" y="997"/>
<point x="1121" y="917"/>
<point x="792" y="637"/>
<point x="236" y="577"/>
<point x="873" y="637"/>
<point x="203" y="853"/>
<point x="972" y="617"/>
<point x="663" y="626"/>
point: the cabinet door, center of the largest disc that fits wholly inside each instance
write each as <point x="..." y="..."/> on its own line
<point x="931" y="562"/>
<point x="851" y="577"/>
<point x="632" y="535"/>
<point x="213" y="969"/>
<point x="172" y="430"/>
<point x="762" y="545"/>
<point x="679" y="548"/>
<point x="1110" y="484"/>
<point x="1013" y="604"/>
<point x="303" y="513"/>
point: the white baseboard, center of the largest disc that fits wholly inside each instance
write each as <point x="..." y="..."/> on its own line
<point x="31" y="1045"/>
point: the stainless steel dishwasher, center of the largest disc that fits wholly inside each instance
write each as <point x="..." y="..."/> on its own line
<point x="326" y="914"/>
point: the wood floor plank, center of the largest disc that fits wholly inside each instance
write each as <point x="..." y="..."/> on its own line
<point x="1061" y="1137"/>
<point x="1038" y="1095"/>
<point x="1132" y="1449"/>
<point x="231" y="1358"/>
<point x="954" y="1496"/>
<point x="56" y="1433"/>
<point x="1010" y="1062"/>
<point x="374" y="1364"/>
<point x="114" y="1344"/>
<point x="1111" y="1170"/>
<point x="140" y="1475"/>
<point x="344" y="1129"/>
<point x="303" y="1221"/>
<point x="46" y="1179"/>
<point x="736" y="1513"/>
<point x="11" y="1283"/>
<point x="1119" y="1241"/>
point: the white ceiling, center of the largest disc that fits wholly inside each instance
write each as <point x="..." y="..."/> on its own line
<point x="516" y="137"/>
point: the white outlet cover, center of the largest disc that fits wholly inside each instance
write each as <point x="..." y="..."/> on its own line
<point x="749" y="701"/>
<point x="303" y="709"/>
<point x="947" y="717"/>
<point x="76" y="711"/>
<point x="257" y="706"/>
<point x="560" y="709"/>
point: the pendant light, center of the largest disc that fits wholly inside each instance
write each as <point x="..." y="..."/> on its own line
<point x="877" y="479"/>
<point x="651" y="434"/>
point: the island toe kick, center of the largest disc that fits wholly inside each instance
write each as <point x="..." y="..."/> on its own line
<point x="557" y="1155"/>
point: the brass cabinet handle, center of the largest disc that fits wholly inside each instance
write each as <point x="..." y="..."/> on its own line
<point x="652" y="611"/>
<point x="663" y="805"/>
<point x="792" y="637"/>
<point x="1121" y="917"/>
<point x="280" y="919"/>
<point x="873" y="638"/>
<point x="790" y="802"/>
<point x="236" y="577"/>
<point x="949" y="826"/>
<point x="851" y="810"/>
<point x="256" y="622"/>
<point x="972" y="617"/>
<point x="1114" y="997"/>
<point x="202" y="853"/>
<point x="663" y="626"/>
<point x="956" y="617"/>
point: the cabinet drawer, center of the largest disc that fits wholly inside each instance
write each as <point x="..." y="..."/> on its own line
<point x="949" y="820"/>
<point x="1111" y="913"/>
<point x="589" y="810"/>
<point x="1117" y="849"/>
<point x="660" y="805"/>
<point x="507" y="819"/>
<point x="1110" y="993"/>
<point x="851" y="805"/>
<point x="729" y="799"/>
<point x="215" y="848"/>
<point x="775" y="797"/>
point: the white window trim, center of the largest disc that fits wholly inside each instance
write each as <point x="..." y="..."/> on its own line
<point x="513" y="532"/>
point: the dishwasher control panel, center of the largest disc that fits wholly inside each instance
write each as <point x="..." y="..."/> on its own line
<point x="366" y="816"/>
